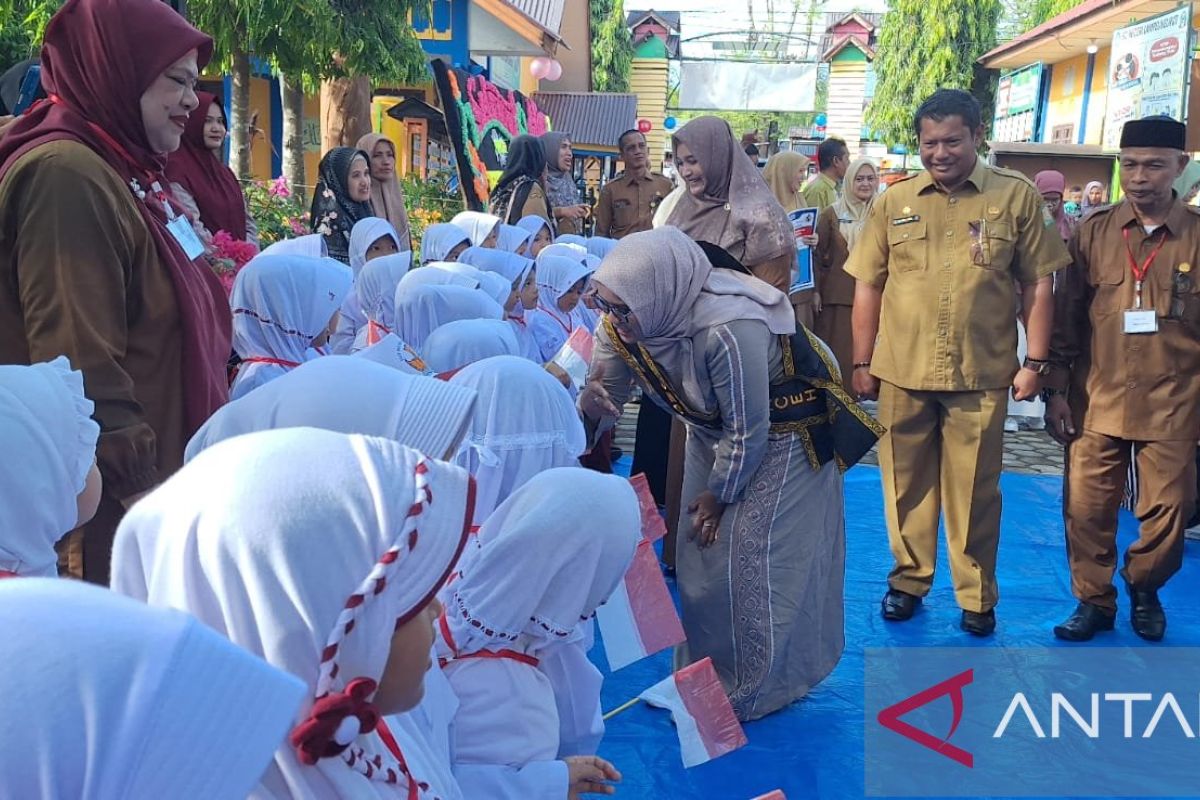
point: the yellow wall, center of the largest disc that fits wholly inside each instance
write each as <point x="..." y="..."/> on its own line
<point x="1096" y="105"/>
<point x="1066" y="96"/>
<point x="648" y="80"/>
<point x="312" y="137"/>
<point x="260" y="149"/>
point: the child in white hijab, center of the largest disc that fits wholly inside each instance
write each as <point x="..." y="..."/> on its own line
<point x="350" y="395"/>
<point x="512" y="638"/>
<point x="525" y="423"/>
<point x="463" y="342"/>
<point x="107" y="698"/>
<point x="443" y="241"/>
<point x="423" y="309"/>
<point x="311" y="245"/>
<point x="482" y="229"/>
<point x="540" y="235"/>
<point x="522" y="274"/>
<point x="513" y="239"/>
<point x="283" y="308"/>
<point x="561" y="283"/>
<point x="439" y="273"/>
<point x="328" y="573"/>
<point x="370" y="238"/>
<point x="49" y="482"/>
<point x="376" y="286"/>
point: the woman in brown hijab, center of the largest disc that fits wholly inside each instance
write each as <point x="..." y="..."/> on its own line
<point x="387" y="195"/>
<point x="98" y="262"/>
<point x="785" y="174"/>
<point x="727" y="202"/>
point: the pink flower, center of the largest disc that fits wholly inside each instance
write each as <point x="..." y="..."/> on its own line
<point x="279" y="187"/>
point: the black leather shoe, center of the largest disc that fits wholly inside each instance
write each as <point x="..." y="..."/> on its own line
<point x="1147" y="616"/>
<point x="978" y="623"/>
<point x="899" y="606"/>
<point x="1086" y="622"/>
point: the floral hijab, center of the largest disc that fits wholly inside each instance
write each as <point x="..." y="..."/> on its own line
<point x="333" y="211"/>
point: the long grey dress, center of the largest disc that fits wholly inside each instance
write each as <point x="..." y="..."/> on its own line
<point x="765" y="601"/>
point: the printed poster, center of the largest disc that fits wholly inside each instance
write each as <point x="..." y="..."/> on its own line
<point x="1148" y="71"/>
<point x="804" y="223"/>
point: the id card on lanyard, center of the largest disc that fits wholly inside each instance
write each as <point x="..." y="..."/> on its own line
<point x="180" y="227"/>
<point x="1138" y="320"/>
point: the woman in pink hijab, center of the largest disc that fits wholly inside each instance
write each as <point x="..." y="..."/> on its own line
<point x="1053" y="185"/>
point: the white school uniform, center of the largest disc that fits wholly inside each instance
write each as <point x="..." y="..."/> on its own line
<point x="365" y="233"/>
<point x="376" y="288"/>
<point x="550" y="326"/>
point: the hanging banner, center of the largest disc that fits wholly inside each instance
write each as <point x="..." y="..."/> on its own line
<point x="1148" y="71"/>
<point x="1018" y="98"/>
<point x="745" y="86"/>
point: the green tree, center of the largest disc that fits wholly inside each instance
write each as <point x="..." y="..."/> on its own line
<point x="926" y="45"/>
<point x="612" y="50"/>
<point x="22" y="23"/>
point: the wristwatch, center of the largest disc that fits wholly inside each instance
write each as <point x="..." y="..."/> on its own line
<point x="1034" y="365"/>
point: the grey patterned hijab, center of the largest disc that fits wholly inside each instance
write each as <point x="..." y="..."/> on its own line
<point x="559" y="186"/>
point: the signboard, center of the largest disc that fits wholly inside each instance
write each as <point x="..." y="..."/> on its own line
<point x="717" y="85"/>
<point x="1018" y="100"/>
<point x="1148" y="71"/>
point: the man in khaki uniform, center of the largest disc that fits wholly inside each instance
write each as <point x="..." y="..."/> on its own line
<point x="935" y="340"/>
<point x="1138" y="363"/>
<point x="627" y="202"/>
<point x="833" y="159"/>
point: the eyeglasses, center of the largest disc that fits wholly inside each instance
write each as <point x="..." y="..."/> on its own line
<point x="622" y="313"/>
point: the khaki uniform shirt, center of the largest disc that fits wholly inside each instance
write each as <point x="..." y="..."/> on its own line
<point x="946" y="264"/>
<point x="1143" y="387"/>
<point x="821" y="192"/>
<point x="627" y="204"/>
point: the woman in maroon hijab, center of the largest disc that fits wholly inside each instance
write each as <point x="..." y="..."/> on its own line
<point x="97" y="260"/>
<point x="201" y="181"/>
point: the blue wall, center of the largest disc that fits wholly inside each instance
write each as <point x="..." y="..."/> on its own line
<point x="448" y="15"/>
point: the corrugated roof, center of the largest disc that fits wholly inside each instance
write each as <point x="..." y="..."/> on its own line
<point x="547" y="13"/>
<point x="594" y="118"/>
<point x="671" y="18"/>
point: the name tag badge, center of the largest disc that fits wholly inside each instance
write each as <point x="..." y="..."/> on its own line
<point x="1139" y="321"/>
<point x="907" y="220"/>
<point x="186" y="237"/>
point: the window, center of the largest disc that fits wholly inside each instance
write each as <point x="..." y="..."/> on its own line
<point x="1062" y="134"/>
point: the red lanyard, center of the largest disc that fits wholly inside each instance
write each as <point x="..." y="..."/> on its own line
<point x="513" y="655"/>
<point x="106" y="137"/>
<point x="389" y="741"/>
<point x="373" y="332"/>
<point x="1139" y="273"/>
<point x="264" y="360"/>
<point x="561" y="324"/>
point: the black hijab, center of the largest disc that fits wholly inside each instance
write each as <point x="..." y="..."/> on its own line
<point x="524" y="169"/>
<point x="333" y="211"/>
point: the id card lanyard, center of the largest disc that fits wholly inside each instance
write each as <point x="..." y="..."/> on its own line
<point x="1139" y="272"/>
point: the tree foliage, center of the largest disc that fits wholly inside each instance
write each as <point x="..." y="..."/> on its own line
<point x="926" y="45"/>
<point x="612" y="50"/>
<point x="22" y="23"/>
<point x="1024" y="15"/>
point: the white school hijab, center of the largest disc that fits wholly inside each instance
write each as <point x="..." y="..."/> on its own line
<point x="307" y="548"/>
<point x="477" y="225"/>
<point x="438" y="273"/>
<point x="510" y="266"/>
<point x="490" y="283"/>
<point x="311" y="245"/>
<point x="365" y="233"/>
<point x="106" y="697"/>
<point x="542" y="564"/>
<point x="463" y="342"/>
<point x="376" y="289"/>
<point x="49" y="438"/>
<point x="349" y="395"/>
<point x="423" y="309"/>
<point x="280" y="304"/>
<point x="439" y="239"/>
<point x="525" y="423"/>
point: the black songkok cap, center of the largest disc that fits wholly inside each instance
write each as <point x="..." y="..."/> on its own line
<point x="1159" y="131"/>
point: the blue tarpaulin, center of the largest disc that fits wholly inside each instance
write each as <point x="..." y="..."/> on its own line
<point x="815" y="747"/>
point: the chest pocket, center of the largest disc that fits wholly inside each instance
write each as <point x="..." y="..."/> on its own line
<point x="1107" y="279"/>
<point x="999" y="242"/>
<point x="907" y="247"/>
<point x="625" y="213"/>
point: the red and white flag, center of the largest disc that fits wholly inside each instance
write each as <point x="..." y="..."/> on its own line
<point x="703" y="717"/>
<point x="575" y="356"/>
<point x="639" y="619"/>
<point x="775" y="795"/>
<point x="653" y="525"/>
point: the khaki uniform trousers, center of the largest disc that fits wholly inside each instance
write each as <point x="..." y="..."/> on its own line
<point x="1095" y="486"/>
<point x="942" y="454"/>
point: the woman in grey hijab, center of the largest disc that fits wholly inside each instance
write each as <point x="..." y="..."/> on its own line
<point x="569" y="213"/>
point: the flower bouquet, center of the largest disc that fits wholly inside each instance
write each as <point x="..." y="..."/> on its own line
<point x="228" y="255"/>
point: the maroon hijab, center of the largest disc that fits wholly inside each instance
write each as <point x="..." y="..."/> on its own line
<point x="98" y="57"/>
<point x="213" y="185"/>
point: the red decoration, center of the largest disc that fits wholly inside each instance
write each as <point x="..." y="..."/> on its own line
<point x="644" y="125"/>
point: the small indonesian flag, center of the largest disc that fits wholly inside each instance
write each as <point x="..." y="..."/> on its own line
<point x="639" y="618"/>
<point x="653" y="526"/>
<point x="775" y="795"/>
<point x="703" y="716"/>
<point x="575" y="356"/>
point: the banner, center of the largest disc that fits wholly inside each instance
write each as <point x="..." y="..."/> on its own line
<point x="1148" y="71"/>
<point x="1018" y="97"/>
<point x="744" y="86"/>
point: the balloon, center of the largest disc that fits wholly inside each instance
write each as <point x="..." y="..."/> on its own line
<point x="555" y="70"/>
<point x="669" y="123"/>
<point x="540" y="67"/>
<point x="644" y="125"/>
<point x="820" y="120"/>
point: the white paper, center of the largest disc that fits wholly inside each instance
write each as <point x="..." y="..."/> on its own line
<point x="1141" y="321"/>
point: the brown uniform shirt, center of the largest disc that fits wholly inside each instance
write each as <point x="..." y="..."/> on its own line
<point x="946" y="264"/>
<point x="627" y="204"/>
<point x="835" y="286"/>
<point x="1143" y="387"/>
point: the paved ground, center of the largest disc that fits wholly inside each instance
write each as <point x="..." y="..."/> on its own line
<point x="1028" y="452"/>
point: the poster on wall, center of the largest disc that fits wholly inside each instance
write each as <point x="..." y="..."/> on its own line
<point x="482" y="119"/>
<point x="1148" y="71"/>
<point x="1018" y="98"/>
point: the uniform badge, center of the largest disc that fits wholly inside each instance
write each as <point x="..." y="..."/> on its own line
<point x="1184" y="267"/>
<point x="906" y="220"/>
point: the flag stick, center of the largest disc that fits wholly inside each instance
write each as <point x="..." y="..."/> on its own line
<point x="622" y="707"/>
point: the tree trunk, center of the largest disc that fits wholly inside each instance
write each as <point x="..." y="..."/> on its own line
<point x="293" y="131"/>
<point x="345" y="112"/>
<point x="239" y="124"/>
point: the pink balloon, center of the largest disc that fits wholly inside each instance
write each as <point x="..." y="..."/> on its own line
<point x="539" y="67"/>
<point x="555" y="70"/>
